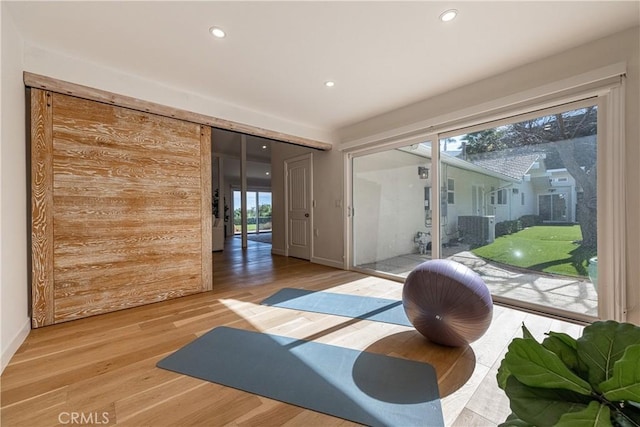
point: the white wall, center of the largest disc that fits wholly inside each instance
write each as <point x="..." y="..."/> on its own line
<point x="621" y="47"/>
<point x="530" y="206"/>
<point x="14" y="301"/>
<point x="328" y="215"/>
<point x="330" y="211"/>
<point x="75" y="70"/>
<point x="463" y="198"/>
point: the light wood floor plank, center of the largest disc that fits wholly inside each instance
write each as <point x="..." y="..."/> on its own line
<point x="106" y="364"/>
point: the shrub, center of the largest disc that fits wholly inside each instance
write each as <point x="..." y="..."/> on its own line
<point x="530" y="220"/>
<point x="507" y="227"/>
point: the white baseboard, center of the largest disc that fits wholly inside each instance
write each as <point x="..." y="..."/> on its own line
<point x="278" y="252"/>
<point x="315" y="259"/>
<point x="328" y="262"/>
<point x="15" y="344"/>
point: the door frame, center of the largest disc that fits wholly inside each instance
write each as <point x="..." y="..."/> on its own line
<point x="567" y="207"/>
<point x="307" y="156"/>
<point x="478" y="197"/>
<point x="250" y="189"/>
<point x="611" y="200"/>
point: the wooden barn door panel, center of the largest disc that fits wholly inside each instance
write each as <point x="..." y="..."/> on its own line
<point x="41" y="151"/>
<point x="130" y="208"/>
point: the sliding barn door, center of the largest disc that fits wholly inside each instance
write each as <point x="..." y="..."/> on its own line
<point x="121" y="208"/>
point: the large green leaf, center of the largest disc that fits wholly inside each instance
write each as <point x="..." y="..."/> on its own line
<point x="564" y="346"/>
<point x="503" y="370"/>
<point x="535" y="366"/>
<point x="542" y="406"/>
<point x="602" y="344"/>
<point x="595" y="415"/>
<point x="503" y="374"/>
<point x="567" y="339"/>
<point x="526" y="333"/>
<point x="625" y="382"/>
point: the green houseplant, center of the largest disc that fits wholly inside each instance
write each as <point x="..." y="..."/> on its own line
<point x="591" y="381"/>
<point x="216" y="206"/>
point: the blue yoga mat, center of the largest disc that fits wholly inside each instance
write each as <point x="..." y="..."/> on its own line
<point x="367" y="388"/>
<point x="353" y="306"/>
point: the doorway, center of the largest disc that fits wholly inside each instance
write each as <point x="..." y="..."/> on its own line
<point x="553" y="207"/>
<point x="235" y="168"/>
<point x="259" y="215"/>
<point x="298" y="200"/>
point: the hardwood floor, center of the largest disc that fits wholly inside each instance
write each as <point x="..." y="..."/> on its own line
<point x="101" y="370"/>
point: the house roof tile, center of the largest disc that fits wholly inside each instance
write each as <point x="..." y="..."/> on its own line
<point x="513" y="165"/>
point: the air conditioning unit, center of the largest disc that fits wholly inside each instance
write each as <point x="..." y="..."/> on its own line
<point x="477" y="230"/>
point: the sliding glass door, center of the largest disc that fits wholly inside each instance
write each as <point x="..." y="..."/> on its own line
<point x="515" y="202"/>
<point x="258" y="211"/>
<point x="392" y="209"/>
<point x="263" y="219"/>
<point x="536" y="242"/>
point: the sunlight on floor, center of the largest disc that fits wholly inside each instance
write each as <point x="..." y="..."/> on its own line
<point x="321" y="327"/>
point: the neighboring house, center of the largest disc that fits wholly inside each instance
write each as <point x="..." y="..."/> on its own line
<point x="393" y="202"/>
<point x="542" y="186"/>
<point x="498" y="186"/>
<point x="504" y="186"/>
<point x="486" y="188"/>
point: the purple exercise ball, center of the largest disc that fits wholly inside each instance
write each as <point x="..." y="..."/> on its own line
<point x="447" y="302"/>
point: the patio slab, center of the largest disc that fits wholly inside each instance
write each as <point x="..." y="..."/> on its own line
<point x="562" y="292"/>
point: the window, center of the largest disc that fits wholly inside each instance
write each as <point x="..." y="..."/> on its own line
<point x="451" y="197"/>
<point x="502" y="196"/>
<point x="258" y="211"/>
<point x="522" y="199"/>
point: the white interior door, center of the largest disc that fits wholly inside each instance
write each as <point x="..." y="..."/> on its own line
<point x="299" y="211"/>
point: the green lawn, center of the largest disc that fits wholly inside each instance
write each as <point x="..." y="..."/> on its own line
<point x="238" y="228"/>
<point x="541" y="248"/>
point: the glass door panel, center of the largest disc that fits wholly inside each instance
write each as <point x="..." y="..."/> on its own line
<point x="258" y="211"/>
<point x="237" y="212"/>
<point x="252" y="212"/>
<point x="514" y="208"/>
<point x="553" y="207"/>
<point x="392" y="216"/>
<point x="264" y="211"/>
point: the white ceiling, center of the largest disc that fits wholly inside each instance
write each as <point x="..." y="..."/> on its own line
<point x="277" y="55"/>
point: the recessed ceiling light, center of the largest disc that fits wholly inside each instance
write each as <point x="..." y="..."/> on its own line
<point x="329" y="83"/>
<point x="268" y="173"/>
<point x="217" y="32"/>
<point x="264" y="147"/>
<point x="448" y="15"/>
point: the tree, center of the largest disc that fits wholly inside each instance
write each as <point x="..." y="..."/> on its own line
<point x="485" y="141"/>
<point x="560" y="137"/>
<point x="265" y="211"/>
<point x="578" y="155"/>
